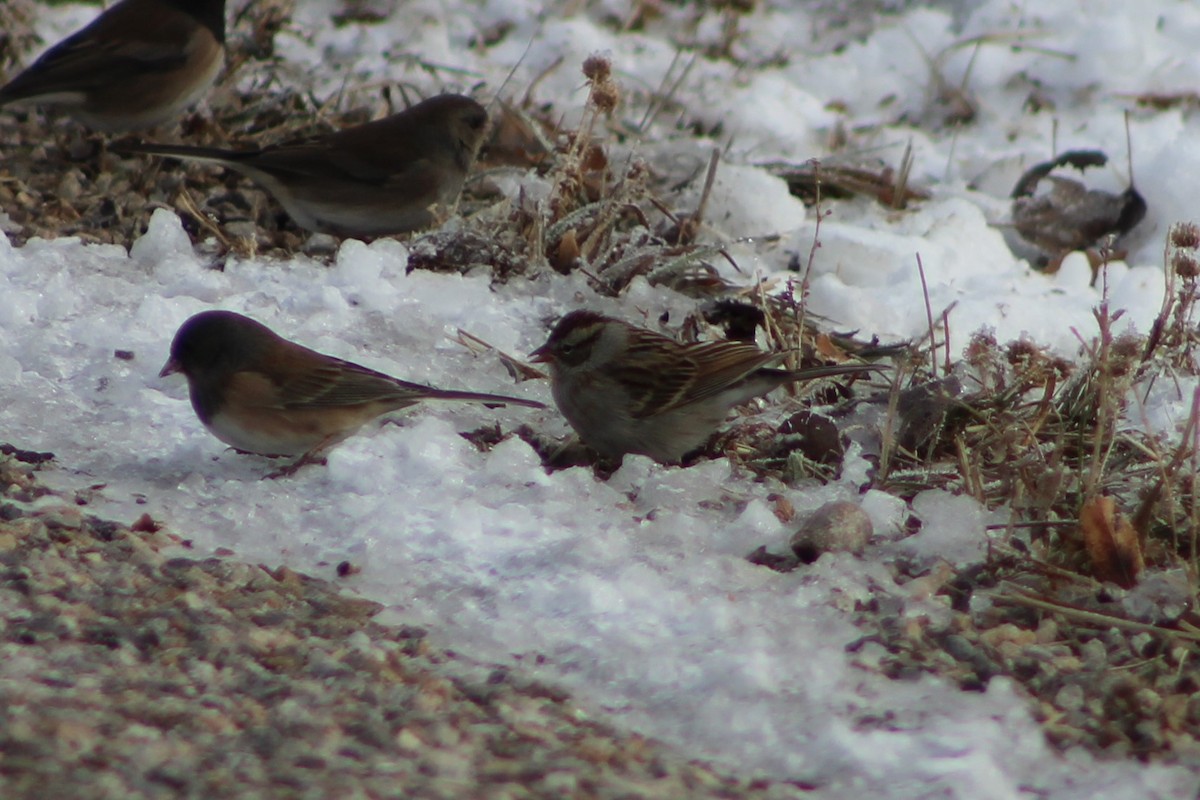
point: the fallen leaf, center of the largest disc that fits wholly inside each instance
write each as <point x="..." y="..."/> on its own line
<point x="1111" y="542"/>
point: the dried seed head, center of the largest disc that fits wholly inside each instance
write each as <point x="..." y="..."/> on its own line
<point x="1022" y="352"/>
<point x="604" y="91"/>
<point x="597" y="68"/>
<point x="1127" y="345"/>
<point x="1185" y="265"/>
<point x="605" y="96"/>
<point x="1185" y="235"/>
<point x="982" y="346"/>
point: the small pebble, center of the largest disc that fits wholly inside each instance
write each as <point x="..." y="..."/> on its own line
<point x="840" y="526"/>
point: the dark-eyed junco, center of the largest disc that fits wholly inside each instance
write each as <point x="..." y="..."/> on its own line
<point x="137" y="65"/>
<point x="261" y="393"/>
<point x="369" y="180"/>
<point x="631" y="390"/>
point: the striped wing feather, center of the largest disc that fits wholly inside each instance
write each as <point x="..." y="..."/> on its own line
<point x="663" y="375"/>
<point x="340" y="383"/>
<point x="721" y="365"/>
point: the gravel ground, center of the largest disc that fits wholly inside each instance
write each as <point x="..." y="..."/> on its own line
<point x="129" y="670"/>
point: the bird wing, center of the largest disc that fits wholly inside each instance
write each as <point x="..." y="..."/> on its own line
<point x="655" y="388"/>
<point x="92" y="57"/>
<point x="720" y="365"/>
<point x="328" y="162"/>
<point x="662" y="375"/>
<point x="336" y="383"/>
<point x="409" y="156"/>
<point x="78" y="66"/>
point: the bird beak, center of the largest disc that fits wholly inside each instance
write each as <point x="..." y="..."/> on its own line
<point x="170" y="368"/>
<point x="541" y="355"/>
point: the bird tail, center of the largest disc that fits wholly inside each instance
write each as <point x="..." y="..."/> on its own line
<point x="811" y="373"/>
<point x="480" y="397"/>
<point x="180" y="151"/>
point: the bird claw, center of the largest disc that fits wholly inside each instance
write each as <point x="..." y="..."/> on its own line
<point x="294" y="467"/>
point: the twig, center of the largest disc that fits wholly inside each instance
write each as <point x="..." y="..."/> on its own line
<point x="946" y="328"/>
<point x="516" y="367"/>
<point x="500" y="89"/>
<point x="929" y="318"/>
<point x="661" y="97"/>
<point x="1093" y="618"/>
<point x="184" y="199"/>
<point x="801" y="311"/>
<point x="541" y="76"/>
<point x="706" y="192"/>
<point x="900" y="187"/>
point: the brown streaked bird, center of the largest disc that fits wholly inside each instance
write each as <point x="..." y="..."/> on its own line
<point x="136" y="65"/>
<point x="263" y="394"/>
<point x="630" y="390"/>
<point x="369" y="180"/>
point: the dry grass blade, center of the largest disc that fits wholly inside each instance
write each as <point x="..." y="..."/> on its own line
<point x="886" y="185"/>
<point x="187" y="204"/>
<point x="1011" y="594"/>
<point x="687" y="226"/>
<point x="518" y="369"/>
<point x="900" y="194"/>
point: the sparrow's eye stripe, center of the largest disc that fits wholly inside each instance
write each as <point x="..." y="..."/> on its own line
<point x="577" y="343"/>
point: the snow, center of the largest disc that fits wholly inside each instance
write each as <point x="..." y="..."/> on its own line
<point x="951" y="529"/>
<point x="634" y="592"/>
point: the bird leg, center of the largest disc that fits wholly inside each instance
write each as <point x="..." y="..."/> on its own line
<point x="313" y="456"/>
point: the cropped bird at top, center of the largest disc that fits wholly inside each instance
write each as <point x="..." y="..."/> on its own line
<point x="369" y="180"/>
<point x="263" y="394"/>
<point x="626" y="389"/>
<point x="137" y="65"/>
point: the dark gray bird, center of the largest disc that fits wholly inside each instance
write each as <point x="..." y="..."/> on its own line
<point x="369" y="180"/>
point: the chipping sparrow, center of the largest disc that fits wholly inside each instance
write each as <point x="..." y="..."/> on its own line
<point x="630" y="390"/>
